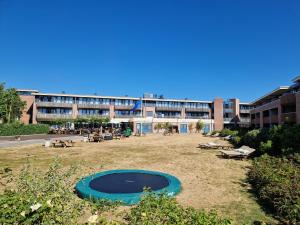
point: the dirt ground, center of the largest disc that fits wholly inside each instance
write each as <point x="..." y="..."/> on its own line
<point x="209" y="181"/>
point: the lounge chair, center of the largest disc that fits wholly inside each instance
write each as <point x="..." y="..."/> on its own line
<point x="227" y="138"/>
<point x="242" y="152"/>
<point x="213" y="145"/>
<point x="215" y="135"/>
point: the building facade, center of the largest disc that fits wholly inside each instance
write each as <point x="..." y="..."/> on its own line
<point x="280" y="106"/>
<point x="46" y="107"/>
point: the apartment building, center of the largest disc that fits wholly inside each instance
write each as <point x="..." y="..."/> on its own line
<point x="45" y="107"/>
<point x="280" y="106"/>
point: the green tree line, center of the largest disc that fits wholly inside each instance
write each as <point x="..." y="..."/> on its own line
<point x="11" y="105"/>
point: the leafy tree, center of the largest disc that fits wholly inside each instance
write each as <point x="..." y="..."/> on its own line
<point x="199" y="126"/>
<point x="11" y="105"/>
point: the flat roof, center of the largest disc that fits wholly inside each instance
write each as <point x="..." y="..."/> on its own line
<point x="122" y="97"/>
<point x="28" y="90"/>
<point x="278" y="91"/>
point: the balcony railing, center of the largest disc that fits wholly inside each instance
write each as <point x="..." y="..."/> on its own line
<point x="197" y="109"/>
<point x="54" y="104"/>
<point x="92" y="115"/>
<point x="53" y="116"/>
<point x="123" y="107"/>
<point x="92" y="106"/>
<point x="288" y="99"/>
<point x="160" y="108"/>
<point x="245" y="120"/>
<point x="228" y="110"/>
<point x="244" y="110"/>
<point x="167" y="116"/>
<point x="227" y="119"/>
<point x="197" y="117"/>
<point x="288" y="117"/>
<point x="127" y="116"/>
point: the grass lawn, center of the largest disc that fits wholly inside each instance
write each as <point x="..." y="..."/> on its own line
<point x="208" y="181"/>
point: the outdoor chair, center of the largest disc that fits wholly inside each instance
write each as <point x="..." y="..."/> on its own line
<point x="242" y="152"/>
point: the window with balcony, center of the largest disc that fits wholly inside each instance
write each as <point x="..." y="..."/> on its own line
<point x="200" y="115"/>
<point x="167" y="114"/>
<point x="65" y="111"/>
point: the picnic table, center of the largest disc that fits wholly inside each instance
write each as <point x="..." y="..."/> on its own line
<point x="62" y="144"/>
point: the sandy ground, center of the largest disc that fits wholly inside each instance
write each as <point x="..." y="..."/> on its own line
<point x="208" y="180"/>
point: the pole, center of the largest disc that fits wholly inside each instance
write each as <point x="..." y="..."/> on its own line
<point x="142" y="116"/>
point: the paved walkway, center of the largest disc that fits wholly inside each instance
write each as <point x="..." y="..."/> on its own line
<point x="40" y="141"/>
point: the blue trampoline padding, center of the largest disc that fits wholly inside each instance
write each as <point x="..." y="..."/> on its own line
<point x="85" y="191"/>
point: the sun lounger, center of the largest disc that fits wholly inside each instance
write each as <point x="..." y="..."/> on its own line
<point x="227" y="138"/>
<point x="215" y="135"/>
<point x="242" y="152"/>
<point x="213" y="145"/>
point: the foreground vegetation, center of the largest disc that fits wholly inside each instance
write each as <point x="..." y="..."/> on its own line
<point x="11" y="129"/>
<point x="47" y="198"/>
<point x="275" y="172"/>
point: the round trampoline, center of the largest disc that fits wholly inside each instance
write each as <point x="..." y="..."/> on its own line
<point x="126" y="185"/>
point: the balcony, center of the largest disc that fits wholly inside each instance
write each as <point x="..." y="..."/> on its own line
<point x="244" y="110"/>
<point x="50" y="116"/>
<point x="160" y="108"/>
<point x="54" y="104"/>
<point x="92" y="106"/>
<point x="127" y="116"/>
<point x="123" y="107"/>
<point x="288" y="117"/>
<point x="228" y="120"/>
<point x="288" y="99"/>
<point x="197" y="109"/>
<point x="168" y="116"/>
<point x="226" y="110"/>
<point x="197" y="117"/>
<point x="92" y="115"/>
<point x="244" y="120"/>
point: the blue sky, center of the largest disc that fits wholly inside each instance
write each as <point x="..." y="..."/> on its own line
<point x="194" y="49"/>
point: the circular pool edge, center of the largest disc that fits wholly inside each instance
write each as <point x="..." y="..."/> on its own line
<point x="85" y="191"/>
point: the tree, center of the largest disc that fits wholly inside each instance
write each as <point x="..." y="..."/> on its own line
<point x="199" y="126"/>
<point x="2" y="102"/>
<point x="11" y="105"/>
<point x="191" y="127"/>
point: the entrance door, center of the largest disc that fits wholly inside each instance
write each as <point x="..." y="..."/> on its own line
<point x="183" y="128"/>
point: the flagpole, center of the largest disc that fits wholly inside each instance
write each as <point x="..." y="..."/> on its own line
<point x="142" y="116"/>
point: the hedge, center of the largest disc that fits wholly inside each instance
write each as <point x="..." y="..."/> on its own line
<point x="277" y="183"/>
<point x="21" y="129"/>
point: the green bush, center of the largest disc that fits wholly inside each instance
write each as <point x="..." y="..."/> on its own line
<point x="235" y="140"/>
<point x="265" y="147"/>
<point x="226" y="132"/>
<point x="251" y="138"/>
<point x="161" y="209"/>
<point x="41" y="198"/>
<point x="21" y="129"/>
<point x="276" y="182"/>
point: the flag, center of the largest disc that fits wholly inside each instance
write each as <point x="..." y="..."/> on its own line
<point x="138" y="105"/>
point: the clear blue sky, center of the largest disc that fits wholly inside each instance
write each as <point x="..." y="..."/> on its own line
<point x="195" y="49"/>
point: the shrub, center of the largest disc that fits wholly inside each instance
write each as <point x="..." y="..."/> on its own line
<point x="235" y="140"/>
<point x="276" y="182"/>
<point x="161" y="209"/>
<point x="265" y="147"/>
<point x="251" y="139"/>
<point x="41" y="198"/>
<point x="21" y="129"/>
<point x="226" y="132"/>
